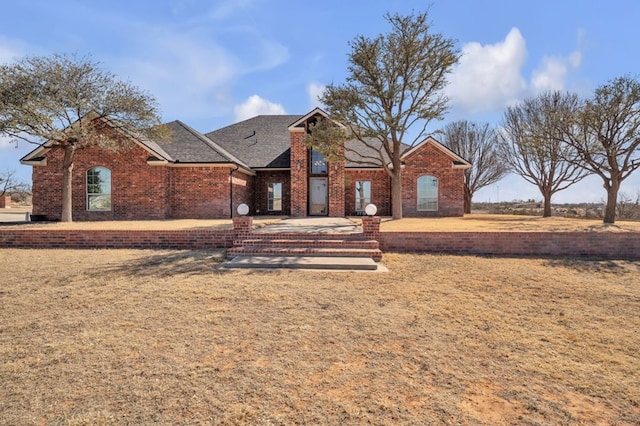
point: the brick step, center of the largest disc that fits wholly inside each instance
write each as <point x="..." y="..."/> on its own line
<point x="281" y="242"/>
<point x="248" y="250"/>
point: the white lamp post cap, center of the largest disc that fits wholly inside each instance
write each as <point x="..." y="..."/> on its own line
<point x="243" y="209"/>
<point x="370" y="209"/>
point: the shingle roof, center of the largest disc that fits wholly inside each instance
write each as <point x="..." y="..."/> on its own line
<point x="261" y="141"/>
<point x="186" y="145"/>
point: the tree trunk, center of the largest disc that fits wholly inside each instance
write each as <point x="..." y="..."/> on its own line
<point x="467" y="200"/>
<point x="546" y="211"/>
<point x="67" y="184"/>
<point x="612" y="200"/>
<point x="396" y="194"/>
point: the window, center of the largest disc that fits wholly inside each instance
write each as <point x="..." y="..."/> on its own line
<point x="318" y="163"/>
<point x="274" y="197"/>
<point x="363" y="195"/>
<point x="427" y="193"/>
<point x="99" y="189"/>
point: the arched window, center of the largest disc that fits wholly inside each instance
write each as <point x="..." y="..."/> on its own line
<point x="99" y="189"/>
<point x="427" y="193"/>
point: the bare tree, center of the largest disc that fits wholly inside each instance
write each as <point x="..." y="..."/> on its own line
<point x="395" y="81"/>
<point x="627" y="207"/>
<point x="533" y="145"/>
<point x="10" y="185"/>
<point x="608" y="140"/>
<point x="478" y="144"/>
<point x="63" y="102"/>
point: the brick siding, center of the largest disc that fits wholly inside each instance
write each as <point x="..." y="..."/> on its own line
<point x="380" y="190"/>
<point x="138" y="190"/>
<point x="262" y="181"/>
<point x="429" y="160"/>
<point x="299" y="185"/>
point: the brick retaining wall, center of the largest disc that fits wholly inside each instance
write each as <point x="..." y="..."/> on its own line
<point x="612" y="245"/>
<point x="93" y="239"/>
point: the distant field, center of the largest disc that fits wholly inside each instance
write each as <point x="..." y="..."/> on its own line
<point x="107" y="337"/>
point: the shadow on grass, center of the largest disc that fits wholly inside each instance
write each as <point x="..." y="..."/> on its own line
<point x="167" y="264"/>
<point x="617" y="267"/>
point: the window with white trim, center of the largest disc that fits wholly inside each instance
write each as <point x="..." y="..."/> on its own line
<point x="363" y="195"/>
<point x="99" y="189"/>
<point x="427" y="193"/>
<point x="274" y="196"/>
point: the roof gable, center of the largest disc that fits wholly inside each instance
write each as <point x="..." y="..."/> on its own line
<point x="458" y="162"/>
<point x="38" y="155"/>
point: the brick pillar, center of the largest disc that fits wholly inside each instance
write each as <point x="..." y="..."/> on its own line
<point x="371" y="227"/>
<point x="5" y="202"/>
<point x="336" y="189"/>
<point x="242" y="226"/>
<point x="299" y="168"/>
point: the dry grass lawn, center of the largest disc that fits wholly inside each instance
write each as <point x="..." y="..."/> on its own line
<point x="477" y="222"/>
<point x="139" y="337"/>
<point x="480" y="222"/>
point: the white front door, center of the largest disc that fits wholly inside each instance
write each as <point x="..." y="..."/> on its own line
<point x="317" y="196"/>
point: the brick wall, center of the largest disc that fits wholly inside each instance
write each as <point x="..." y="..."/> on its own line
<point x="299" y="186"/>
<point x="429" y="160"/>
<point x="138" y="191"/>
<point x="624" y="245"/>
<point x="92" y="239"/>
<point x="336" y="189"/>
<point x="380" y="190"/>
<point x="262" y="181"/>
<point x="203" y="192"/>
<point x="243" y="191"/>
<point x="5" y="202"/>
<point x="612" y="245"/>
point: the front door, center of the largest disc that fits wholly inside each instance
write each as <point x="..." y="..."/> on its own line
<point x="318" y="196"/>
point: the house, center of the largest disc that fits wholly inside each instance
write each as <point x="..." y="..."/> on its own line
<point x="262" y="162"/>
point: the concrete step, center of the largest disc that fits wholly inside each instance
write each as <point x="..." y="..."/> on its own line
<point x="302" y="242"/>
<point x="304" y="262"/>
<point x="301" y="251"/>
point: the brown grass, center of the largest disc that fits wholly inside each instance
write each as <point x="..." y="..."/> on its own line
<point x="140" y="337"/>
<point x="475" y="222"/>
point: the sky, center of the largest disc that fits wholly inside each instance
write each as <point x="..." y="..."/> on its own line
<point x="213" y="63"/>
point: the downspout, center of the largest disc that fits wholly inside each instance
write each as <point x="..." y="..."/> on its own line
<point x="231" y="191"/>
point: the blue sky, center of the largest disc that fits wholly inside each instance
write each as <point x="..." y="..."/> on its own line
<point x="212" y="63"/>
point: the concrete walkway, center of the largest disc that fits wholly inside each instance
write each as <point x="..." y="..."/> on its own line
<point x="312" y="225"/>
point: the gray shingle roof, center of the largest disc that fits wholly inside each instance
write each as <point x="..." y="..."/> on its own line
<point x="261" y="141"/>
<point x="186" y="145"/>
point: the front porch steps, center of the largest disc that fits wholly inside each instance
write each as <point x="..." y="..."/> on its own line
<point x="305" y="251"/>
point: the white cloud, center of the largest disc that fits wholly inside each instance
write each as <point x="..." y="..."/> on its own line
<point x="554" y="70"/>
<point x="314" y="90"/>
<point x="255" y="105"/>
<point x="192" y="73"/>
<point x="488" y="77"/>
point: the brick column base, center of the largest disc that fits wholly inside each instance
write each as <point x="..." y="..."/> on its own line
<point x="242" y="226"/>
<point x="371" y="227"/>
<point x="5" y="202"/>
